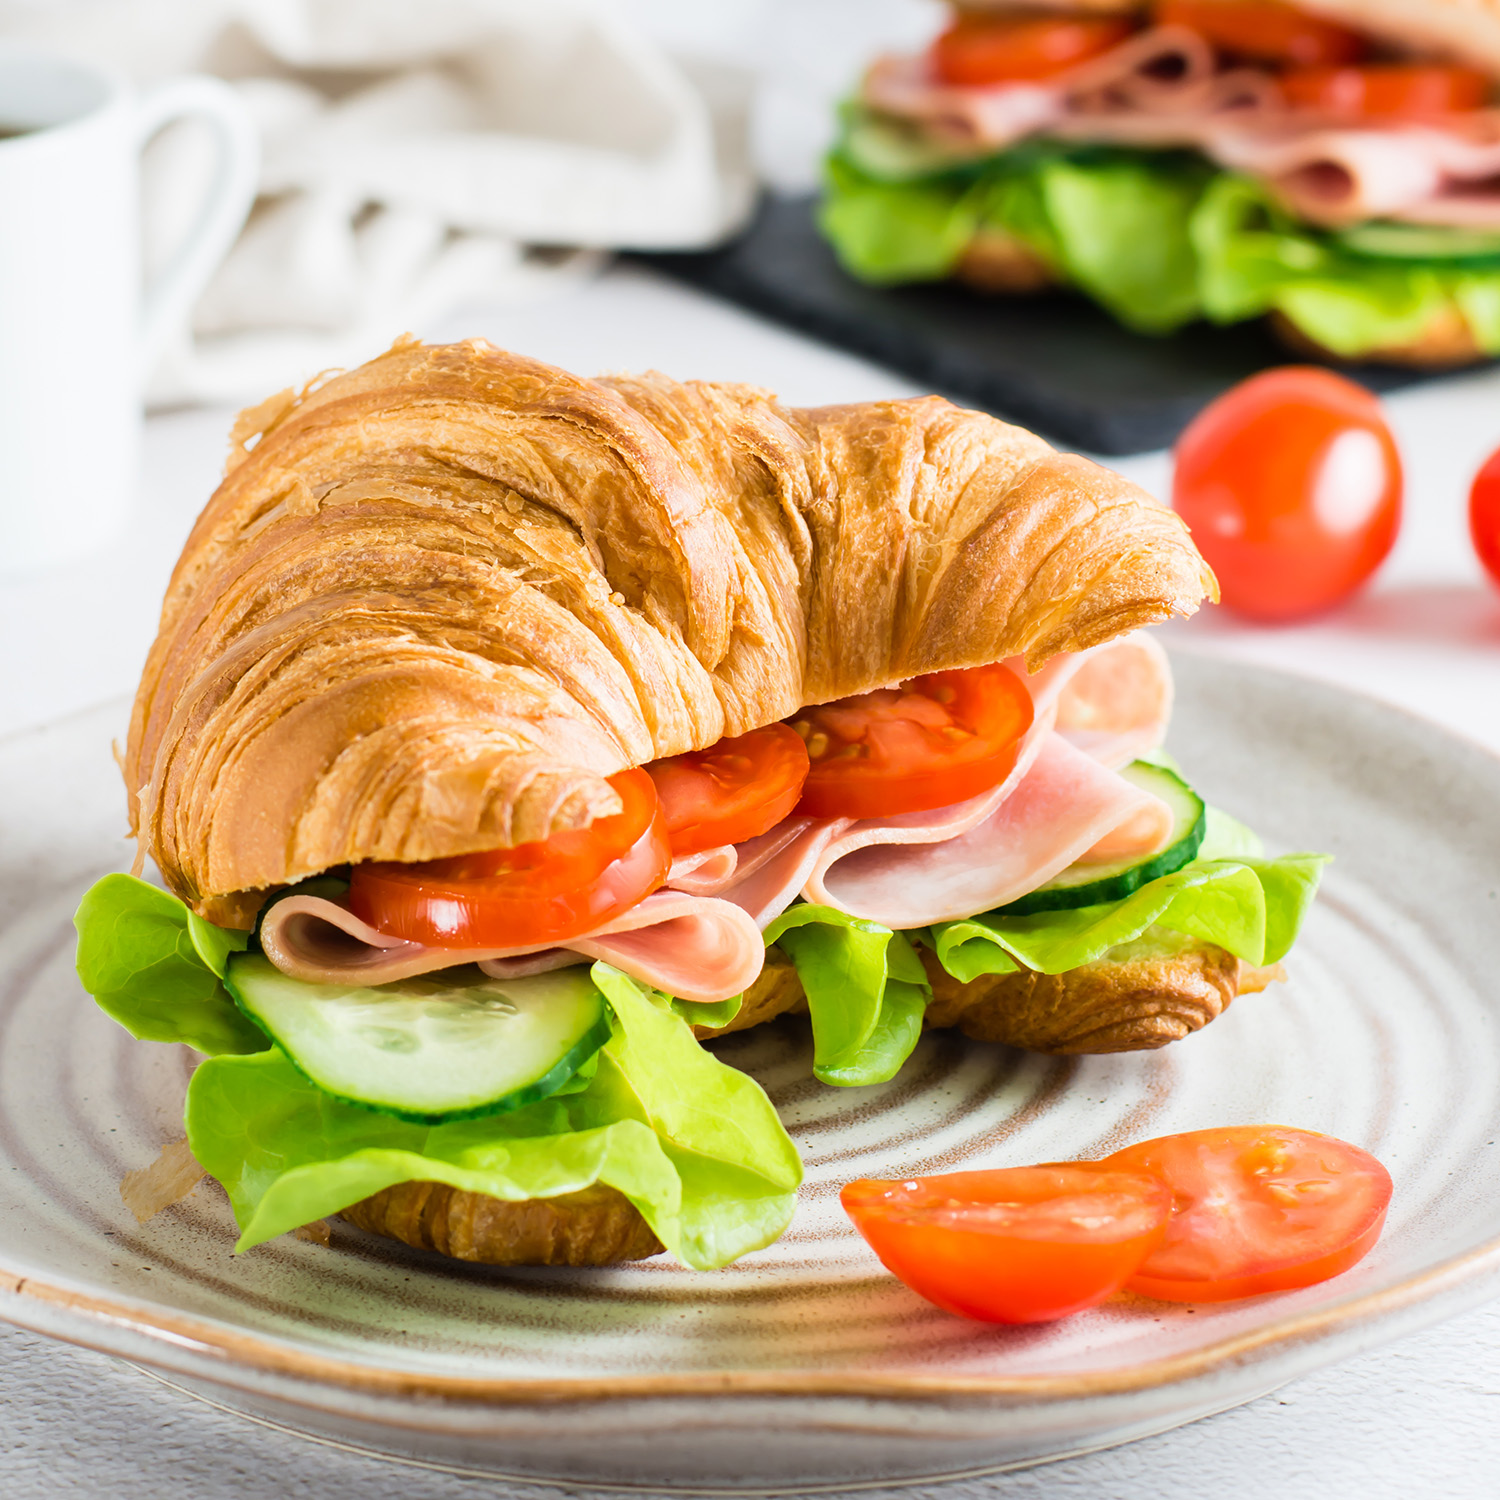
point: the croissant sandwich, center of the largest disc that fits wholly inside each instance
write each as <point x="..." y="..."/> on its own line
<point x="507" y="734"/>
<point x="1330" y="164"/>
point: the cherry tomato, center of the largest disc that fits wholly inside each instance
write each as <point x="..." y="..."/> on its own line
<point x="537" y="893"/>
<point x="1291" y="486"/>
<point x="1484" y="515"/>
<point x="1264" y="29"/>
<point x="1021" y="1245"/>
<point x="1257" y="1208"/>
<point x="731" y="791"/>
<point x="933" y="741"/>
<point x="1390" y="91"/>
<point x="980" y="50"/>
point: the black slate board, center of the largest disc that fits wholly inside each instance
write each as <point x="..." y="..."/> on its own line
<point x="1055" y="363"/>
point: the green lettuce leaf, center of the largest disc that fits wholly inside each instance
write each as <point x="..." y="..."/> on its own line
<point x="866" y="991"/>
<point x="692" y="1142"/>
<point x="1120" y="224"/>
<point x="156" y="968"/>
<point x="1254" y="258"/>
<point x="889" y="232"/>
<point x="1250" y="906"/>
<point x="1113" y="223"/>
<point x="1157" y="237"/>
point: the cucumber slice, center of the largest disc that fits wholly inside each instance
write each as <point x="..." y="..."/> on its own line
<point x="1093" y="884"/>
<point x="1421" y="242"/>
<point x="447" y="1046"/>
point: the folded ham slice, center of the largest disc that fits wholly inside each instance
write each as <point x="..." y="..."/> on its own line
<point x="1109" y="704"/>
<point x="1163" y="88"/>
<point x="699" y="938"/>
<point x="1062" y="807"/>
<point x="1118" y="702"/>
<point x="693" y="947"/>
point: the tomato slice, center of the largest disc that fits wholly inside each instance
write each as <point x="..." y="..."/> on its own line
<point x="935" y="740"/>
<point x="1258" y="1208"/>
<point x="1389" y="91"/>
<point x="977" y="51"/>
<point x="1291" y="485"/>
<point x="1019" y="1245"/>
<point x="1264" y="29"/>
<point x="733" y="790"/>
<point x="537" y="893"/>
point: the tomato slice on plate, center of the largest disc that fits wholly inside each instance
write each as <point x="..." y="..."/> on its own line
<point x="1291" y="485"/>
<point x="538" y="893"/>
<point x="936" y="740"/>
<point x="1265" y="29"/>
<point x="1388" y="91"/>
<point x="1257" y="1208"/>
<point x="1018" y="1245"/>
<point x="733" y="790"/>
<point x="977" y="51"/>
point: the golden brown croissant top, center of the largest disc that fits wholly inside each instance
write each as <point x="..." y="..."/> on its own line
<point x="439" y="598"/>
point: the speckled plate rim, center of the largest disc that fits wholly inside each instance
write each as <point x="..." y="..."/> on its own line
<point x="207" y="1349"/>
<point x="107" y="1325"/>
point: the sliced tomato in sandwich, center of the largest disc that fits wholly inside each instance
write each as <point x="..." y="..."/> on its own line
<point x="531" y="894"/>
<point x="731" y="791"/>
<point x="1387" y="91"/>
<point x="935" y="740"/>
<point x="1265" y="29"/>
<point x="980" y="51"/>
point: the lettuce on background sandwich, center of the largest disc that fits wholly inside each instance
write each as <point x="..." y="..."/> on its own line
<point x="507" y="733"/>
<point x="1331" y="163"/>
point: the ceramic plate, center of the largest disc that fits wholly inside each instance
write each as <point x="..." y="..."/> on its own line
<point x="805" y="1364"/>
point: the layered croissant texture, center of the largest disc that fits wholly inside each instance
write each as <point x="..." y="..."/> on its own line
<point x="437" y="600"/>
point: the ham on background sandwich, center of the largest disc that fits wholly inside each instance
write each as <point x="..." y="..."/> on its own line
<point x="1332" y="163"/>
<point x="507" y="733"/>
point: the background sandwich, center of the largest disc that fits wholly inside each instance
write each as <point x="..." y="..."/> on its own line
<point x="499" y="720"/>
<point x="1330" y="163"/>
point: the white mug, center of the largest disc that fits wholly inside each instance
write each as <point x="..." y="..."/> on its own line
<point x="78" y="330"/>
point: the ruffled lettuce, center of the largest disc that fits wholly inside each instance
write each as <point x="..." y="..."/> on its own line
<point x="866" y="991"/>
<point x="692" y="1142"/>
<point x="1113" y="223"/>
<point x="1254" y="258"/>
<point x="1157" y="237"/>
<point x="156" y="968"/>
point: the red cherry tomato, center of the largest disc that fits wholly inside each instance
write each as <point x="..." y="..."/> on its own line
<point x="933" y="741"/>
<point x="536" y="893"/>
<point x="731" y="791"/>
<point x="1484" y="515"/>
<point x="1258" y="1208"/>
<point x="1022" y="1245"/>
<point x="1291" y="486"/>
<point x="1390" y="91"/>
<point x="1261" y="28"/>
<point x="977" y="51"/>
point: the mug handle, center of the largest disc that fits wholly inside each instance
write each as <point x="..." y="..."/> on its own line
<point x="170" y="296"/>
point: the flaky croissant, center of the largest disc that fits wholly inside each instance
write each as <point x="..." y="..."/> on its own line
<point x="437" y="600"/>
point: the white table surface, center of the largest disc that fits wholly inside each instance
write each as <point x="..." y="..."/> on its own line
<point x="1419" y="1418"/>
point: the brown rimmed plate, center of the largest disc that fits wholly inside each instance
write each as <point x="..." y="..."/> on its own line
<point x="804" y="1365"/>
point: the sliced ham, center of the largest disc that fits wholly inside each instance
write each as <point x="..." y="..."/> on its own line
<point x="1163" y="88"/>
<point x="705" y="873"/>
<point x="694" y="947"/>
<point x="1061" y="809"/>
<point x="1117" y="704"/>
<point x="966" y="117"/>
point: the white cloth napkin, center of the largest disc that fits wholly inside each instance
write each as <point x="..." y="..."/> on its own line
<point x="417" y="155"/>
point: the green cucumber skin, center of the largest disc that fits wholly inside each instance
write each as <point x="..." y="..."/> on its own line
<point x="1117" y="887"/>
<point x="530" y="1093"/>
